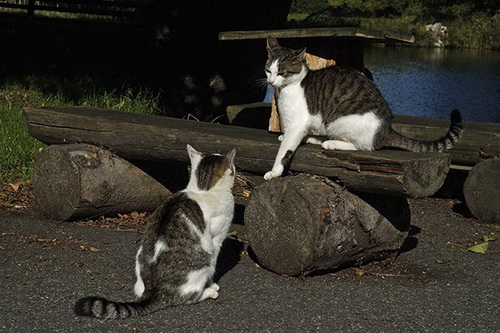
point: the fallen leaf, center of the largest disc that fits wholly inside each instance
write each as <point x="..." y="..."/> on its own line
<point x="93" y="249"/>
<point x="246" y="193"/>
<point x="479" y="248"/>
<point x="15" y="186"/>
<point x="359" y="272"/>
<point x="441" y="262"/>
<point x="489" y="238"/>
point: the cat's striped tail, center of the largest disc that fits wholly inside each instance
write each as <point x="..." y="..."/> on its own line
<point x="398" y="140"/>
<point x="104" y="309"/>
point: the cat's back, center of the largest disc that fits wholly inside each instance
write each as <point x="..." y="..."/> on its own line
<point x="341" y="81"/>
<point x="336" y="91"/>
<point x="170" y="218"/>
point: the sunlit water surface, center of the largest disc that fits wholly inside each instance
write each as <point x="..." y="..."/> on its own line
<point x="432" y="82"/>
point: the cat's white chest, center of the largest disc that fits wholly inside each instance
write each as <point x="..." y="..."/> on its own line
<point x="292" y="106"/>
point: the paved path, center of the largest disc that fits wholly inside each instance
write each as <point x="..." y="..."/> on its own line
<point x="46" y="266"/>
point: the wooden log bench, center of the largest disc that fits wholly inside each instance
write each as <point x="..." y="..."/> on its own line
<point x="145" y="137"/>
<point x="352" y="200"/>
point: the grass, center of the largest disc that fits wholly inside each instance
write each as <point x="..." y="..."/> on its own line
<point x="18" y="150"/>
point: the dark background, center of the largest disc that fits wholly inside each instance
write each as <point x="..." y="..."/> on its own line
<point x="167" y="46"/>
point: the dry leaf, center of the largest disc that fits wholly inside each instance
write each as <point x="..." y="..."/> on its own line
<point x="15" y="186"/>
<point x="93" y="249"/>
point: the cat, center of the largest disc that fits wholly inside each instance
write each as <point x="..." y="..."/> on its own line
<point x="176" y="262"/>
<point x="341" y="104"/>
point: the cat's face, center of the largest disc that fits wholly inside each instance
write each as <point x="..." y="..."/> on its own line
<point x="284" y="66"/>
<point x="209" y="171"/>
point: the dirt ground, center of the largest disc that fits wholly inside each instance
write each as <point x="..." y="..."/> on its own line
<point x="437" y="284"/>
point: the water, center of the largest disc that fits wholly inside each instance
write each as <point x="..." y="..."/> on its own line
<point x="432" y="82"/>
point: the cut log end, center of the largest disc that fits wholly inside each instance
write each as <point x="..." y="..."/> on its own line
<point x="481" y="191"/>
<point x="79" y="181"/>
<point x="303" y="224"/>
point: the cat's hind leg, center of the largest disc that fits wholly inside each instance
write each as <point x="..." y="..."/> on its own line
<point x="338" y="145"/>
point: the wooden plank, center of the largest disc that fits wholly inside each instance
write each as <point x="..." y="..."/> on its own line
<point x="144" y="137"/>
<point x="351" y="32"/>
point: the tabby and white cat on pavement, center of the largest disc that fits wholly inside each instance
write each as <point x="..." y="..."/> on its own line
<point x="176" y="262"/>
<point x="340" y="104"/>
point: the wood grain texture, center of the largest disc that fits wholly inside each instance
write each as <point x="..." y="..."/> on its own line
<point x="76" y="181"/>
<point x="144" y="137"/>
<point x="482" y="191"/>
<point x="304" y="224"/>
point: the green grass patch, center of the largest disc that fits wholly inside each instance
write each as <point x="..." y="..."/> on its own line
<point x="18" y="150"/>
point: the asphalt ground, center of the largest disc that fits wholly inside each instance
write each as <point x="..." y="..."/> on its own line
<point x="435" y="285"/>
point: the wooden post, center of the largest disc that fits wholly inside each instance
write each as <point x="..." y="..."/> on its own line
<point x="31" y="9"/>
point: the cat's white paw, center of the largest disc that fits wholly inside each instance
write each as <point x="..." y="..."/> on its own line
<point x="280" y="138"/>
<point x="313" y="140"/>
<point x="211" y="293"/>
<point x="215" y="287"/>
<point x="337" y="144"/>
<point x="274" y="173"/>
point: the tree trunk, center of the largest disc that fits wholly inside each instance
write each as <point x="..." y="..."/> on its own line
<point x="482" y="191"/>
<point x="78" y="181"/>
<point x="304" y="224"/>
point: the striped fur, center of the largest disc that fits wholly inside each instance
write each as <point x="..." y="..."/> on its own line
<point x="176" y="261"/>
<point x="340" y="104"/>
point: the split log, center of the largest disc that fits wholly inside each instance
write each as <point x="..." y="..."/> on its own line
<point x="304" y="224"/>
<point x="79" y="181"/>
<point x="145" y="137"/>
<point x="482" y="191"/>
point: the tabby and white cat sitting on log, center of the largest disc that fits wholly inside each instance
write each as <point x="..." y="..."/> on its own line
<point x="176" y="262"/>
<point x="340" y="104"/>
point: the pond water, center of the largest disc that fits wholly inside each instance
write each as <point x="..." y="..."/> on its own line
<point x="432" y="82"/>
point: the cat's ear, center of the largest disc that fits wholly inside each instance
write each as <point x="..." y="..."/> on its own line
<point x="230" y="156"/>
<point x="301" y="53"/>
<point x="194" y="155"/>
<point x="272" y="43"/>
